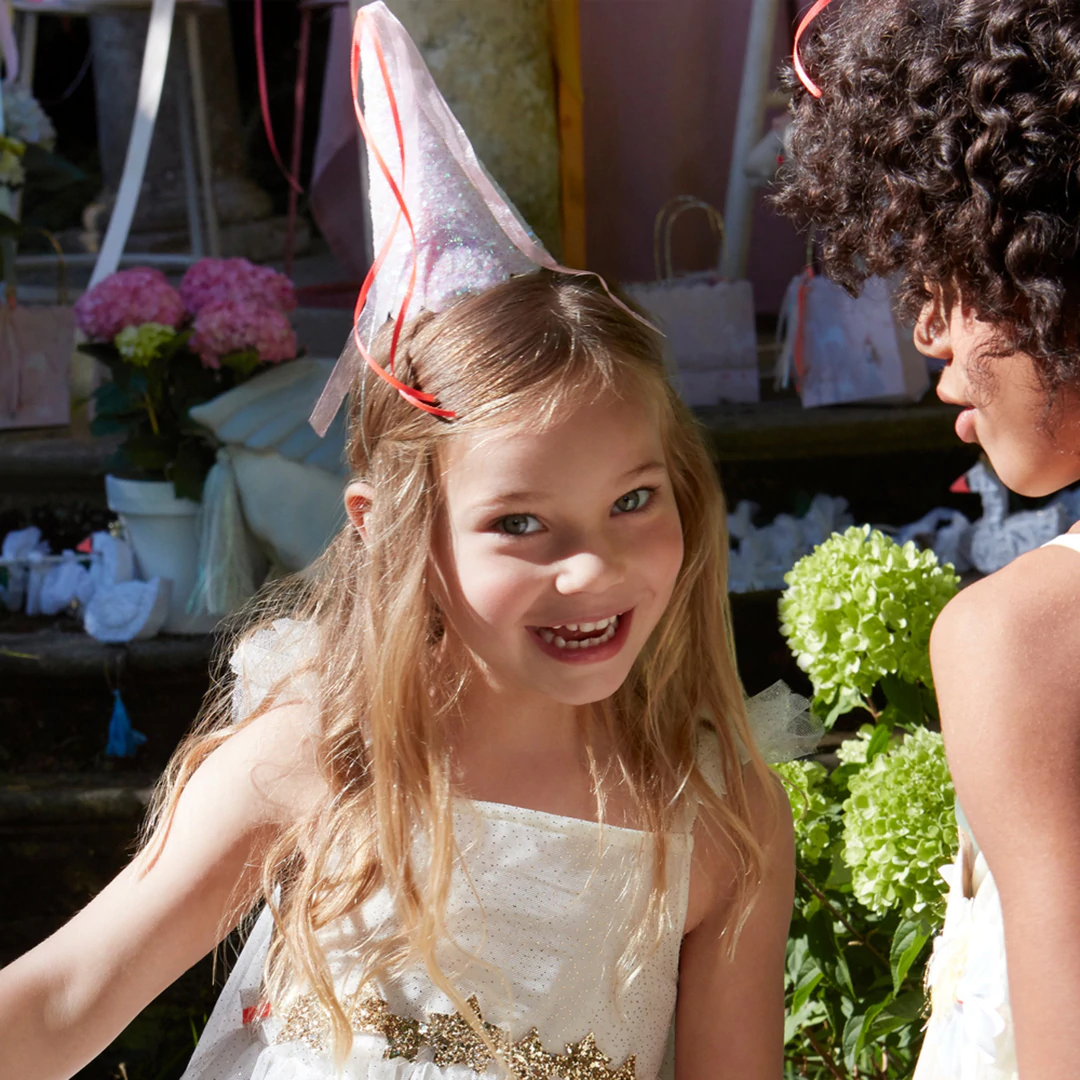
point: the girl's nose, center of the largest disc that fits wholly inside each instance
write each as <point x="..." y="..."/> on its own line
<point x="589" y="571"/>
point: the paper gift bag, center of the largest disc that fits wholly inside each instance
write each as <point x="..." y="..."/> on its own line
<point x="708" y="321"/>
<point x="36" y="344"/>
<point x="847" y="349"/>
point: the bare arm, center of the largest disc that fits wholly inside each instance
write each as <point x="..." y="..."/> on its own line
<point x="730" y="1013"/>
<point x="65" y="1001"/>
<point x="1006" y="660"/>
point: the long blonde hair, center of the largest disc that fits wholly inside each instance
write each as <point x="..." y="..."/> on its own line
<point x="526" y="351"/>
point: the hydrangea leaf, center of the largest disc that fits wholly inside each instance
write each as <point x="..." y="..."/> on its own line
<point x="908" y="942"/>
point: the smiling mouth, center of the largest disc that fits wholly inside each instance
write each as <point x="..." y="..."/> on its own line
<point x="585" y="635"/>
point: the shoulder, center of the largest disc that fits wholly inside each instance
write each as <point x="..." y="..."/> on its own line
<point x="273" y="757"/>
<point x="1004" y="654"/>
<point x="271" y="763"/>
<point x="1015" y="631"/>
<point x="766" y="805"/>
<point x="260" y="779"/>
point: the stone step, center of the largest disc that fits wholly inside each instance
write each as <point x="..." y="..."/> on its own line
<point x="48" y="462"/>
<point x="56" y="651"/>
<point x="85" y="798"/>
<point x="56" y="695"/>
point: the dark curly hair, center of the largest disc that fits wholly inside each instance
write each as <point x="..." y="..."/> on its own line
<point x="946" y="145"/>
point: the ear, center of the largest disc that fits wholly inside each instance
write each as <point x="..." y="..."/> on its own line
<point x="358" y="498"/>
<point x="931" y="336"/>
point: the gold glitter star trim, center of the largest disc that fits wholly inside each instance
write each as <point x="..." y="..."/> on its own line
<point x="453" y="1041"/>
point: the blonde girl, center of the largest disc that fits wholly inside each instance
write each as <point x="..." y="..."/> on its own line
<point x="486" y="766"/>
<point x="499" y="752"/>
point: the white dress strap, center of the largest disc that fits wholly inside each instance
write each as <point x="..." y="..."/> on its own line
<point x="1069" y="540"/>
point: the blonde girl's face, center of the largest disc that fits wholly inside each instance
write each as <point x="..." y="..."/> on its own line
<point x="1004" y="403"/>
<point x="559" y="549"/>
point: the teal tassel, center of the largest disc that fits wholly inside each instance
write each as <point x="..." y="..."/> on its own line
<point x="124" y="740"/>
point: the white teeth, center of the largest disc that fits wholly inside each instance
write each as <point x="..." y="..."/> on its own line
<point x="587" y="627"/>
<point x="609" y="626"/>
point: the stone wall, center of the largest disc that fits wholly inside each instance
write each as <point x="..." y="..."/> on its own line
<point x="492" y="61"/>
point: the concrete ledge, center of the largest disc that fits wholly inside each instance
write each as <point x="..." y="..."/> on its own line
<point x="37" y="453"/>
<point x="83" y="800"/>
<point x="783" y="430"/>
<point x="57" y="653"/>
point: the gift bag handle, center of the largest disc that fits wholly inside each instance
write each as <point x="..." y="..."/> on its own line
<point x="665" y="221"/>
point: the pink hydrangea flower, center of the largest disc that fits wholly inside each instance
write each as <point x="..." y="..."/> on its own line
<point x="128" y="298"/>
<point x="213" y="281"/>
<point x="232" y="325"/>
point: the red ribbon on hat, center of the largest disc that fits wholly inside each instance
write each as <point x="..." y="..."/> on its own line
<point x="807" y="19"/>
<point x="411" y="394"/>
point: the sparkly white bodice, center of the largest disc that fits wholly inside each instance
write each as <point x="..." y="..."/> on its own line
<point x="540" y="911"/>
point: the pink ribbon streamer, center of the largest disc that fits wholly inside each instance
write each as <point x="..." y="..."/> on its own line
<point x="807" y="19"/>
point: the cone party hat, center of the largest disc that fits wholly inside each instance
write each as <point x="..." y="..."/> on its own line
<point x="442" y="228"/>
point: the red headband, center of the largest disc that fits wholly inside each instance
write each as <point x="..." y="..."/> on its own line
<point x="807" y="19"/>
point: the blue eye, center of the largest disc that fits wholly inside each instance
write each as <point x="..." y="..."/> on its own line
<point x="633" y="500"/>
<point x="518" y="524"/>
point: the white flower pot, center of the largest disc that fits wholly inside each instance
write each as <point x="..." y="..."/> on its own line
<point x="164" y="537"/>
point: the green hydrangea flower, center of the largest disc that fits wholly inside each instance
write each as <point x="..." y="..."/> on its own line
<point x="854" y="751"/>
<point x="860" y="606"/>
<point x="899" y="826"/>
<point x="811" y="806"/>
<point x="139" y="345"/>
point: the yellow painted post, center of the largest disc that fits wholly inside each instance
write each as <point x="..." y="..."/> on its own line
<point x="566" y="48"/>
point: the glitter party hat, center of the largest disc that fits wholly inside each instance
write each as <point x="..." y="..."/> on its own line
<point x="442" y="228"/>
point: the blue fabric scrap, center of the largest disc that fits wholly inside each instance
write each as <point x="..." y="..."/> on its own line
<point x="124" y="740"/>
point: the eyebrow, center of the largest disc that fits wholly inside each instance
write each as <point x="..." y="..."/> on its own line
<point x="527" y="496"/>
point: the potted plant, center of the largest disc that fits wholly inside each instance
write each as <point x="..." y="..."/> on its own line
<point x="167" y="350"/>
<point x="872" y="834"/>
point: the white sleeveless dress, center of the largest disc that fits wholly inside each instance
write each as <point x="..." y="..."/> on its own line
<point x="545" y="904"/>
<point x="540" y="910"/>
<point x="970" y="1032"/>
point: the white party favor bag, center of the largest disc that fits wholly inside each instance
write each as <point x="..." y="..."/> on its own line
<point x="847" y="349"/>
<point x="708" y="321"/>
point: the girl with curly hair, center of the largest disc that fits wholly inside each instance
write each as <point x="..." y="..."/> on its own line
<point x="939" y="140"/>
